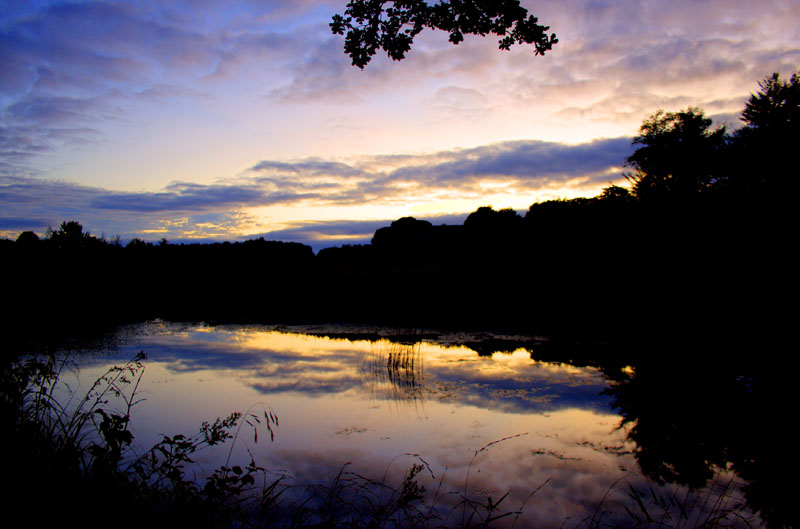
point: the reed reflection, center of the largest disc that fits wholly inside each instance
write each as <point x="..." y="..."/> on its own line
<point x="394" y="373"/>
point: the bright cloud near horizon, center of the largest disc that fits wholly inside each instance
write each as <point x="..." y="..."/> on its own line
<point x="232" y="119"/>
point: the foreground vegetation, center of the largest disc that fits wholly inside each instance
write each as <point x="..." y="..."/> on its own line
<point x="75" y="462"/>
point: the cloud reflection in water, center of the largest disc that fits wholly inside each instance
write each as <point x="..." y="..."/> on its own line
<point x="374" y="402"/>
<point x="274" y="362"/>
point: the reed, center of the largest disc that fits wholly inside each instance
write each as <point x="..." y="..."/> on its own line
<point x="634" y="502"/>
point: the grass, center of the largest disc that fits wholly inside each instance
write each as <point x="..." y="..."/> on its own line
<point x="637" y="503"/>
<point x="72" y="461"/>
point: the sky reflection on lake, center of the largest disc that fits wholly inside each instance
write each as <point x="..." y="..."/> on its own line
<point x="381" y="405"/>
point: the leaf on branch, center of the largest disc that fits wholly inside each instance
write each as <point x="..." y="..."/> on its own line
<point x="369" y="26"/>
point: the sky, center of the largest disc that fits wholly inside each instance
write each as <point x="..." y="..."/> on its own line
<point x="228" y="120"/>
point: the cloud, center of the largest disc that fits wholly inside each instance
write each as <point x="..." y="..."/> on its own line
<point x="182" y="196"/>
<point x="309" y="167"/>
<point x="685" y="53"/>
<point x="71" y="71"/>
<point x="522" y="165"/>
<point x="53" y="109"/>
<point x="14" y="223"/>
<point x="182" y="210"/>
<point x="76" y="74"/>
<point x="675" y="42"/>
<point x="87" y="64"/>
<point x="221" y="208"/>
<point x="531" y="162"/>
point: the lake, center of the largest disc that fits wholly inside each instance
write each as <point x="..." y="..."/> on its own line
<point x="374" y="402"/>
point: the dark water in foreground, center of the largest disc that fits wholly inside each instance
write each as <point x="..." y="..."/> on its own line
<point x="382" y="406"/>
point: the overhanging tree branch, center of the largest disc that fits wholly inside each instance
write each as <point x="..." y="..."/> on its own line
<point x="371" y="25"/>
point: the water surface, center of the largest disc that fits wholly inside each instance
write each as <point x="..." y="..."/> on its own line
<point x="482" y="425"/>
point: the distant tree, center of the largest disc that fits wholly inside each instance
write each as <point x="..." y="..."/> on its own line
<point x="403" y="233"/>
<point x="27" y="239"/>
<point x="70" y="236"/>
<point x="679" y="156"/>
<point x="137" y="243"/>
<point x="371" y="26"/>
<point x="486" y="220"/>
<point x="615" y="194"/>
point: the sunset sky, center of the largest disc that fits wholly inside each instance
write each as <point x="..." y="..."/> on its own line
<point x="206" y="119"/>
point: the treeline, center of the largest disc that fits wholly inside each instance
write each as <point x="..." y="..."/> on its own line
<point x="70" y="279"/>
<point x="698" y="245"/>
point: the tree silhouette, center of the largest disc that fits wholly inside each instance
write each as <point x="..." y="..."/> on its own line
<point x="616" y="194"/>
<point x="680" y="156"/>
<point x="776" y="107"/>
<point x="403" y="234"/>
<point x="70" y="236"/>
<point x="371" y="26"/>
<point x="27" y="239"/>
<point x="490" y="222"/>
<point x="765" y="148"/>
